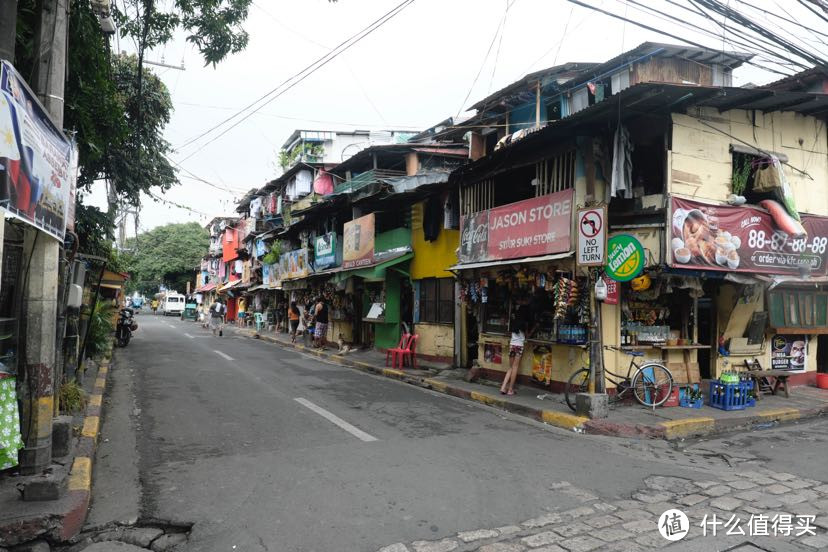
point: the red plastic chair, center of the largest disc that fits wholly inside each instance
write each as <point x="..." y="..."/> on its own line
<point x="410" y="352"/>
<point x="393" y="353"/>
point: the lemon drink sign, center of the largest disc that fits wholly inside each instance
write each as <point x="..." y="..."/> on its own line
<point x="625" y="258"/>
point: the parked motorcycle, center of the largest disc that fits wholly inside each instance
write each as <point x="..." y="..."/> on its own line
<point x="125" y="326"/>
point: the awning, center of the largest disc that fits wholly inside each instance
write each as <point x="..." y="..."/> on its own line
<point x="112" y="286"/>
<point x="374" y="273"/>
<point x="207" y="287"/>
<point x="487" y="264"/>
<point x="229" y="285"/>
<point x="258" y="287"/>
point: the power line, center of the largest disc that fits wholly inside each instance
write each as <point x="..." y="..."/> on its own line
<point x="744" y="42"/>
<point x="174" y="204"/>
<point x="485" y="58"/>
<point x="320" y="121"/>
<point x="499" y="43"/>
<point x="300" y="76"/>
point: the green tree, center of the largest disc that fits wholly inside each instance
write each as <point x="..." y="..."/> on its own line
<point x="116" y="112"/>
<point x="165" y="255"/>
<point x="213" y="26"/>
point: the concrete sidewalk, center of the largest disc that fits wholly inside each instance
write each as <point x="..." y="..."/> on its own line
<point x="58" y="520"/>
<point x="624" y="420"/>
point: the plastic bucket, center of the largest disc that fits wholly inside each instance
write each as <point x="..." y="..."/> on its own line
<point x="822" y="381"/>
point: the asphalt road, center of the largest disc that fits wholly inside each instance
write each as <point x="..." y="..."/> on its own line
<point x="267" y="449"/>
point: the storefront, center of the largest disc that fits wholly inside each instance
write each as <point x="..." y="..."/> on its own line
<point x="765" y="286"/>
<point x="518" y="254"/>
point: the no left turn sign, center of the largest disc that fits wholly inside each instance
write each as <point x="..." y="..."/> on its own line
<point x="592" y="236"/>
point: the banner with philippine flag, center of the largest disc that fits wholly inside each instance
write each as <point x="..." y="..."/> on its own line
<point x="38" y="163"/>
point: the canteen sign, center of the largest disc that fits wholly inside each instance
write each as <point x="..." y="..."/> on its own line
<point x="625" y="258"/>
<point x="537" y="226"/>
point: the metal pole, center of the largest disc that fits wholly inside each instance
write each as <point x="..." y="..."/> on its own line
<point x="593" y="335"/>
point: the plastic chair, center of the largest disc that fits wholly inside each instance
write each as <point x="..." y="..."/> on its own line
<point x="396" y="351"/>
<point x="410" y="352"/>
<point x="259" y="321"/>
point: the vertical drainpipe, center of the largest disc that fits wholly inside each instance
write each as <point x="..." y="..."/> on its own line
<point x="537" y="104"/>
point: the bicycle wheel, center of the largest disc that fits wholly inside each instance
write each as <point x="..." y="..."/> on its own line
<point x="652" y="384"/>
<point x="578" y="383"/>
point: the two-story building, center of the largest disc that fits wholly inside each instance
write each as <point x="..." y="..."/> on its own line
<point x="680" y="164"/>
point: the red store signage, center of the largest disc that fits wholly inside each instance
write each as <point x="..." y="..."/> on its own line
<point x="537" y="226"/>
<point x="744" y="239"/>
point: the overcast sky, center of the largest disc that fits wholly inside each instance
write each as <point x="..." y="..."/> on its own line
<point x="412" y="72"/>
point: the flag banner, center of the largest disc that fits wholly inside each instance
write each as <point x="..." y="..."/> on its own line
<point x="38" y="164"/>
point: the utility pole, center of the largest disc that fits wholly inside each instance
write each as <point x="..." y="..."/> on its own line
<point x="42" y="292"/>
<point x="8" y="29"/>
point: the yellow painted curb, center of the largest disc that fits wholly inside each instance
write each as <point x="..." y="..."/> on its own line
<point x="365" y="365"/>
<point x="95" y="400"/>
<point x="437" y="385"/>
<point x="90" y="426"/>
<point x="81" y="477"/>
<point x="487" y="399"/>
<point x="390" y="372"/>
<point x="340" y="358"/>
<point x="689" y="426"/>
<point x="103" y="370"/>
<point x="100" y="382"/>
<point x="781" y="414"/>
<point x="562" y="419"/>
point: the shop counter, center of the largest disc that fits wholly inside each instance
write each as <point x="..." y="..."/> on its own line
<point x="681" y="347"/>
<point x="547" y="342"/>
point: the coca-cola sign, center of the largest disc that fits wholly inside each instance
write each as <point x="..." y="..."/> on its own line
<point x="474" y="238"/>
<point x="533" y="227"/>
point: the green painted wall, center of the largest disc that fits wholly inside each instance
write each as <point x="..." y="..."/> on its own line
<point x="388" y="334"/>
<point x="398" y="237"/>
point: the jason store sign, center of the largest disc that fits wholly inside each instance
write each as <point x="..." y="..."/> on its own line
<point x="529" y="228"/>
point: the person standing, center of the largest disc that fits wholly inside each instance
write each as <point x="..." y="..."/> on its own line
<point x="310" y="322"/>
<point x="217" y="311"/>
<point x="519" y="328"/>
<point x="154" y="305"/>
<point x="241" y="313"/>
<point x="293" y="319"/>
<point x="321" y="329"/>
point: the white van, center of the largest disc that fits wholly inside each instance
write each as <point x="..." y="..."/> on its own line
<point x="173" y="303"/>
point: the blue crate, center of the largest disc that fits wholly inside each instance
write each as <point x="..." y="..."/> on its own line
<point x="729" y="396"/>
<point x="687" y="403"/>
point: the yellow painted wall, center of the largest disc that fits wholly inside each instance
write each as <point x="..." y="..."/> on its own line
<point x="565" y="359"/>
<point x="431" y="258"/>
<point x="700" y="160"/>
<point x="435" y="339"/>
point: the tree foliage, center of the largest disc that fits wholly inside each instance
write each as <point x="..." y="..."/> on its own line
<point x="119" y="131"/>
<point x="213" y="26"/>
<point x="165" y="255"/>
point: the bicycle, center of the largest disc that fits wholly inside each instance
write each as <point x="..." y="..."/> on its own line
<point x="651" y="383"/>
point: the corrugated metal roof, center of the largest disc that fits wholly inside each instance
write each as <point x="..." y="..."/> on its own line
<point x="645" y="98"/>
